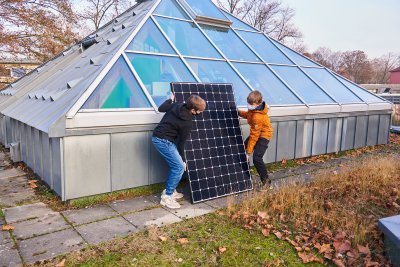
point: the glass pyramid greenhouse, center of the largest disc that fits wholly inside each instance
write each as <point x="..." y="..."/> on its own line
<point x="79" y="119"/>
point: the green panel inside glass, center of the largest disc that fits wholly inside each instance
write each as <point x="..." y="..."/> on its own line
<point x="150" y="39"/>
<point x="171" y="9"/>
<point x="157" y="72"/>
<point x="118" y="89"/>
<point x="187" y="38"/>
<point x="210" y="71"/>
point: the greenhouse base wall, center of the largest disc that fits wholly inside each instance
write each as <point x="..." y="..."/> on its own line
<point x="96" y="161"/>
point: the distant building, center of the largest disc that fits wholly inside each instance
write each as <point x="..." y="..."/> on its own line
<point x="395" y="76"/>
<point x="12" y="69"/>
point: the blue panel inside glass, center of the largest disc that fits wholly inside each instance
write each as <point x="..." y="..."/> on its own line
<point x="150" y="39"/>
<point x="205" y="8"/>
<point x="220" y="72"/>
<point x="118" y="89"/>
<point x="325" y="79"/>
<point x="157" y="72"/>
<point x="295" y="57"/>
<point x="264" y="48"/>
<point x="187" y="38"/>
<point x="171" y="9"/>
<point x="366" y="96"/>
<point x="302" y="85"/>
<point x="262" y="79"/>
<point x="230" y="44"/>
<point x="238" y="24"/>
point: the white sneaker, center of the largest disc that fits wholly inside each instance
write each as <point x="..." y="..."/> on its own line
<point x="175" y="195"/>
<point x="169" y="202"/>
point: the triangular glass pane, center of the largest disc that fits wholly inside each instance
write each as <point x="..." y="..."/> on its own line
<point x="150" y="39"/>
<point x="236" y="23"/>
<point x="264" y="48"/>
<point x="328" y="82"/>
<point x="187" y="38"/>
<point x="171" y="9"/>
<point x="118" y="89"/>
<point x="295" y="57"/>
<point x="364" y="94"/>
<point x="262" y="79"/>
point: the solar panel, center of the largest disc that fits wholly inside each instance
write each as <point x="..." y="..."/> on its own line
<point x="215" y="153"/>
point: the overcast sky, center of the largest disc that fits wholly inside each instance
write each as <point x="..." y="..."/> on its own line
<point x="369" y="25"/>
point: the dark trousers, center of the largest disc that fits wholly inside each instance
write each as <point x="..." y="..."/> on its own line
<point x="258" y="154"/>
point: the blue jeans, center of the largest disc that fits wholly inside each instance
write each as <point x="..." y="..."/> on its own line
<point x="176" y="165"/>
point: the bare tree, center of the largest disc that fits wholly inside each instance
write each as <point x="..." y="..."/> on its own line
<point x="38" y="29"/>
<point x="357" y="64"/>
<point x="98" y="12"/>
<point x="268" y="16"/>
<point x="328" y="58"/>
<point x="382" y="65"/>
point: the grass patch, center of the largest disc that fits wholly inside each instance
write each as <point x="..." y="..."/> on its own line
<point x="205" y="236"/>
<point x="348" y="203"/>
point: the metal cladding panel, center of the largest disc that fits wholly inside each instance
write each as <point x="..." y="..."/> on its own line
<point x="286" y="140"/>
<point x="24" y="136"/>
<point x="130" y="156"/>
<point x="30" y="148"/>
<point x="373" y="127"/>
<point x="2" y="129"/>
<point x="87" y="165"/>
<point x="384" y="127"/>
<point x="38" y="152"/>
<point x="46" y="159"/>
<point x="304" y="134"/>
<point x="158" y="166"/>
<point x="361" y="131"/>
<point x="270" y="156"/>
<point x="57" y="183"/>
<point x="334" y="135"/>
<point x="320" y="136"/>
<point x="349" y="130"/>
<point x="8" y="132"/>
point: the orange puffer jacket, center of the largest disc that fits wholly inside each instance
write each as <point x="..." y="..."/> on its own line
<point x="260" y="126"/>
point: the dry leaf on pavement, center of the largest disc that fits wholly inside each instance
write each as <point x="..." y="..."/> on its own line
<point x="7" y="228"/>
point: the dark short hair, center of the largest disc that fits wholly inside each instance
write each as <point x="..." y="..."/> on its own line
<point x="196" y="102"/>
<point x="255" y="97"/>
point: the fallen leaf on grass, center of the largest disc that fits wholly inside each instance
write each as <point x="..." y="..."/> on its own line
<point x="266" y="231"/>
<point x="61" y="263"/>
<point x="182" y="241"/>
<point x="307" y="258"/>
<point x="342" y="246"/>
<point x="222" y="249"/>
<point x="338" y="262"/>
<point x="162" y="238"/>
<point x="278" y="235"/>
<point x="363" y="250"/>
<point x="263" y="215"/>
<point x="32" y="184"/>
<point x="7" y="228"/>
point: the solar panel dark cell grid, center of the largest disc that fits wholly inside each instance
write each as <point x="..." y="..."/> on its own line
<point x="215" y="152"/>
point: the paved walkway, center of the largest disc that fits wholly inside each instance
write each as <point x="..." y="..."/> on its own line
<point x="41" y="233"/>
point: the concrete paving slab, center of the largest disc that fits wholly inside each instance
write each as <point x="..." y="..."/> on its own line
<point x="158" y="216"/>
<point x="11" y="173"/>
<point x="26" y="212"/>
<point x="132" y="205"/>
<point x="189" y="210"/>
<point x="14" y="191"/>
<point x="49" y="246"/>
<point x="105" y="230"/>
<point x="48" y="223"/>
<point x="9" y="256"/>
<point x="5" y="237"/>
<point x="92" y="214"/>
<point x="218" y="203"/>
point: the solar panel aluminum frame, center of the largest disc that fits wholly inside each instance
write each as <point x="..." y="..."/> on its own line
<point x="248" y="185"/>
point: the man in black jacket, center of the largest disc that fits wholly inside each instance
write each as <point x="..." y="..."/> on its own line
<point x="169" y="139"/>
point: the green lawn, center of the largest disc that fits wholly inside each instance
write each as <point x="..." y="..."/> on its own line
<point x="205" y="236"/>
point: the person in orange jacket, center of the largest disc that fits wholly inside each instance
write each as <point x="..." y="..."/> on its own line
<point x="261" y="133"/>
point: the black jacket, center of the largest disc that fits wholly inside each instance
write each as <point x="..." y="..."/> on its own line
<point x="175" y="126"/>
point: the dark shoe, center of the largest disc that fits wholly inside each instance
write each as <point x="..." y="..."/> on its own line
<point x="267" y="184"/>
